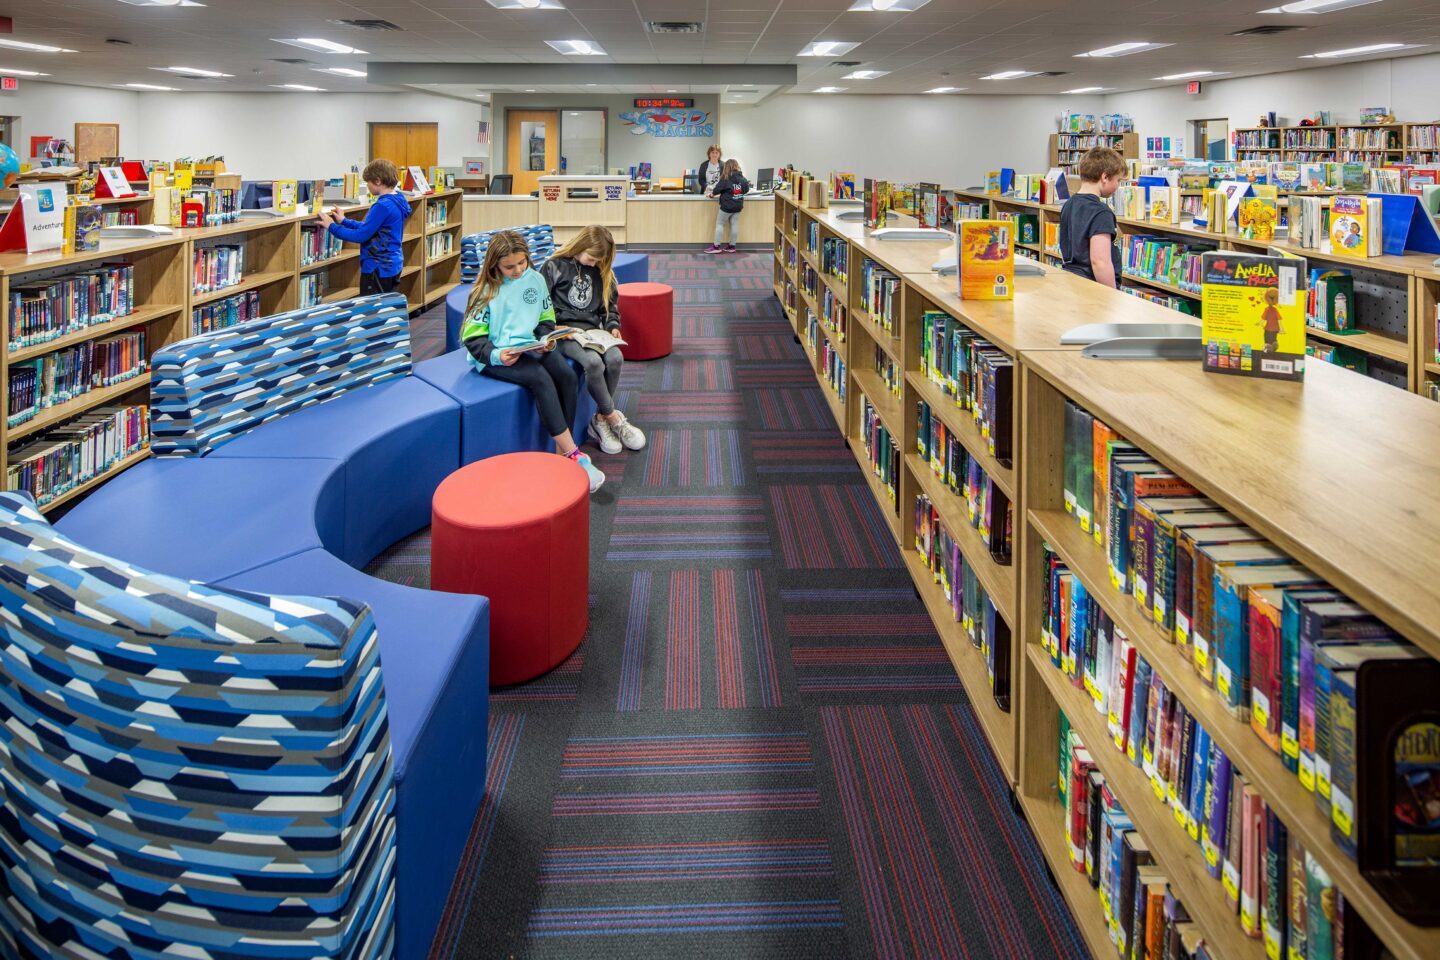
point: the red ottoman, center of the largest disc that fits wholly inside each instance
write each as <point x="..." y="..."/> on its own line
<point x="516" y="529"/>
<point x="647" y="320"/>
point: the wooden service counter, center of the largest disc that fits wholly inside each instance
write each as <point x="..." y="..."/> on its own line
<point x="653" y="221"/>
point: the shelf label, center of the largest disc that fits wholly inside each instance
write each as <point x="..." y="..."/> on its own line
<point x="1142" y="590"/>
<point x="1230" y="880"/>
<point x="1307" y="771"/>
<point x="1181" y="817"/>
<point x="1130" y="750"/>
<point x="1182" y="627"/>
<point x="1289" y="743"/>
<point x="1160" y="607"/>
<point x="1202" y="654"/>
<point x="1192" y="827"/>
<point x="1247" y="911"/>
<point x="1212" y="852"/>
<point x="1272" y="942"/>
<point x="1322" y="777"/>
<point x="1342" y="811"/>
<point x="1260" y="708"/>
<point x="1117" y="579"/>
<point x="1083" y="515"/>
<point x="1222" y="678"/>
<point x="1159" y="786"/>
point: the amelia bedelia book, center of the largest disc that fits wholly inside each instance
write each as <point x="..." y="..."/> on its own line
<point x="985" y="250"/>
<point x="1253" y="314"/>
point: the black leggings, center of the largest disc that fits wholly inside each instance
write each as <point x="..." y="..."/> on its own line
<point x="373" y="283"/>
<point x="550" y="380"/>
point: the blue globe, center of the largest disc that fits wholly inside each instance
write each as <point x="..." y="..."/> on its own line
<point x="9" y="166"/>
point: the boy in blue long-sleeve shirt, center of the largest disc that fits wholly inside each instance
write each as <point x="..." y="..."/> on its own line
<point x="381" y="254"/>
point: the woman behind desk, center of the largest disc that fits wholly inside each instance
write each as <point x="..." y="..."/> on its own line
<point x="709" y="173"/>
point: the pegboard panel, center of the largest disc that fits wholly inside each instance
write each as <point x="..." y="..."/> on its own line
<point x="1382" y="301"/>
<point x="1389" y="371"/>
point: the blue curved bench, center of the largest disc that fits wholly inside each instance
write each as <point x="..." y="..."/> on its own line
<point x="292" y="450"/>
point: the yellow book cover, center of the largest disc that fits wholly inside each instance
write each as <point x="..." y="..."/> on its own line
<point x="163" y="198"/>
<point x="67" y="242"/>
<point x="985" y="250"/>
<point x="1164" y="204"/>
<point x="1349" y="227"/>
<point x="1257" y="217"/>
<point x="184" y="179"/>
<point x="1253" y="314"/>
<point x="285" y="194"/>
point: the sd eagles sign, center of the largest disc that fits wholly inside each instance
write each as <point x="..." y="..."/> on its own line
<point x="669" y="123"/>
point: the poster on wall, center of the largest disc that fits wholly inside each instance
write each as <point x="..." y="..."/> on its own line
<point x="669" y="123"/>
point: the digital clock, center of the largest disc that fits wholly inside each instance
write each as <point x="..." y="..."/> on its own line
<point x="664" y="103"/>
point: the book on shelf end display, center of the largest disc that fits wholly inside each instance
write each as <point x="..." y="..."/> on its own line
<point x="1353" y="226"/>
<point x="985" y="252"/>
<point x="1253" y="314"/>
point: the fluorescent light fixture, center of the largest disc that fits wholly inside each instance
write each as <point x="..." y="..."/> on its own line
<point x="1356" y="51"/>
<point x="33" y="47"/>
<point x="1187" y="75"/>
<point x="1318" y="6"/>
<point x="530" y="90"/>
<point x="944" y="89"/>
<point x="827" y="48"/>
<point x="830" y="89"/>
<point x="887" y="6"/>
<point x="341" y="71"/>
<point x="297" y="86"/>
<point x="526" y="4"/>
<point x="10" y="71"/>
<point x="1124" y="49"/>
<point x="1084" y="90"/>
<point x="163" y="3"/>
<point x="576" y="48"/>
<point x="194" y="72"/>
<point x="148" y="86"/>
<point x="672" y="91"/>
<point x="865" y="75"/>
<point x="318" y="44"/>
<point x="1012" y="75"/>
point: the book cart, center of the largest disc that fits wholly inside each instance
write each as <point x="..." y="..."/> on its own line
<point x="1300" y="478"/>
<point x="167" y="290"/>
<point x="1396" y="308"/>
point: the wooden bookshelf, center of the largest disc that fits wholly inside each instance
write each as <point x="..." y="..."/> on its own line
<point x="1338" y="433"/>
<point x="442" y="218"/>
<point x="1066" y="149"/>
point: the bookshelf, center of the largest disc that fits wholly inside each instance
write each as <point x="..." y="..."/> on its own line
<point x="1335" y="434"/>
<point x="1066" y="149"/>
<point x="443" y="227"/>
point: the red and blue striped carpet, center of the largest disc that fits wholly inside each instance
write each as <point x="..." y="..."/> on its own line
<point x="760" y="750"/>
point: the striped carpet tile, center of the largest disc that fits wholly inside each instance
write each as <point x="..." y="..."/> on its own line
<point x="706" y="346"/>
<point x="840" y="651"/>
<point x="790" y="409"/>
<point x="767" y="346"/>
<point x="683" y="862"/>
<point x="671" y="918"/>
<point x="709" y="458"/>
<point x="797" y="374"/>
<point x="664" y="528"/>
<point x="694" y="325"/>
<point x="831" y="526"/>
<point x="689" y="801"/>
<point x="714" y="755"/>
<point x="561" y="685"/>
<point x="697" y="375"/>
<point x="779" y="452"/>
<point x="504" y="745"/>
<point x="682" y="407"/>
<point x="718" y="648"/>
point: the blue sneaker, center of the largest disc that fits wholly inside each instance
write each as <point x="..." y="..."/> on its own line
<point x="592" y="473"/>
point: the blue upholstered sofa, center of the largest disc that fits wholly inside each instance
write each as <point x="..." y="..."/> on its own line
<point x="290" y="451"/>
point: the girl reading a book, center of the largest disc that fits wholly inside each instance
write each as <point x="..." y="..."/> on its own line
<point x="507" y="320"/>
<point x="582" y="287"/>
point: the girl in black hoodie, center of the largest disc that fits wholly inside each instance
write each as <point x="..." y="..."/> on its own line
<point x="730" y="190"/>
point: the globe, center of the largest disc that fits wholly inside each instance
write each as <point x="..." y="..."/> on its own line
<point x="9" y="166"/>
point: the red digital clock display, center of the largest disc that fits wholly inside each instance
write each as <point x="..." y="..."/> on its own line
<point x="664" y="103"/>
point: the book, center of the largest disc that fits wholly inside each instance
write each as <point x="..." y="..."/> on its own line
<point x="1275" y="887"/>
<point x="1296" y="900"/>
<point x="1253" y="315"/>
<point x="1258" y="216"/>
<point x="540" y="343"/>
<point x="597" y="340"/>
<point x="1293" y="608"/>
<point x="1320" y="910"/>
<point x="1354" y="226"/>
<point x="1233" y="853"/>
<point x="285" y="195"/>
<point x="1208" y="561"/>
<point x="1252" y="846"/>
<point x="985" y="252"/>
<point x="1234" y="588"/>
<point x="1322" y="624"/>
<point x="1213" y="832"/>
<point x="1163" y="204"/>
<point x="877" y="203"/>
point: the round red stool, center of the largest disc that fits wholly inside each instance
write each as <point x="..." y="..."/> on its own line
<point x="516" y="529"/>
<point x="647" y="320"/>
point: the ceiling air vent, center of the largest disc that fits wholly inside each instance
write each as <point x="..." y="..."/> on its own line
<point x="295" y="61"/>
<point x="1052" y="73"/>
<point x="367" y="24"/>
<point x="1266" y="30"/>
<point x="674" y="26"/>
<point x="847" y="63"/>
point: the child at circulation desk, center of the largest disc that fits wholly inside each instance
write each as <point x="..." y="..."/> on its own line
<point x="510" y="307"/>
<point x="582" y="287"/>
<point x="379" y="234"/>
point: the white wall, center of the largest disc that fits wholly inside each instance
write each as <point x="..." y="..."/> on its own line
<point x="53" y="109"/>
<point x="669" y="156"/>
<point x="1407" y="85"/>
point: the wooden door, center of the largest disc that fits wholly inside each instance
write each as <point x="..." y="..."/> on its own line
<point x="532" y="147"/>
<point x="405" y="144"/>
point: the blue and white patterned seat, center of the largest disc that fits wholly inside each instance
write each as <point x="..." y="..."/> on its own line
<point x="186" y="770"/>
<point x="539" y="237"/>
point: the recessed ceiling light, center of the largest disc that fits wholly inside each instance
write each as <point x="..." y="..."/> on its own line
<point x="526" y="4"/>
<point x="576" y="48"/>
<point x="1084" y="90"/>
<point x="163" y="3"/>
<point x="22" y="73"/>
<point x="1187" y="75"/>
<point x="530" y="91"/>
<point x="830" y="89"/>
<point x="1356" y="51"/>
<point x="33" y="47"/>
<point x="194" y="71"/>
<point x="297" y="86"/>
<point x="341" y="71"/>
<point x="887" y="6"/>
<point x="944" y="89"/>
<point x="865" y="74"/>
<point x="148" y="86"/>
<point x="1011" y="75"/>
<point x="1123" y="49"/>
<point x="1318" y="6"/>
<point x="672" y="91"/>
<point x="827" y="48"/>
<point x="318" y="44"/>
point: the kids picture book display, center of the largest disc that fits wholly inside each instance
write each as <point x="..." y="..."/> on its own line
<point x="1253" y="315"/>
<point x="985" y="251"/>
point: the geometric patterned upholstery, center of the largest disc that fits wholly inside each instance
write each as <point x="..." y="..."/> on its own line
<point x="539" y="237"/>
<point x="185" y="770"/>
<point x="214" y="387"/>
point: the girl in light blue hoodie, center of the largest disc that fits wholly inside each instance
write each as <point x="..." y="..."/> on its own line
<point x="510" y="306"/>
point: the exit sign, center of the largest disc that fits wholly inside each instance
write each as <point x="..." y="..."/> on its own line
<point x="9" y="83"/>
<point x="1193" y="86"/>
<point x="664" y="103"/>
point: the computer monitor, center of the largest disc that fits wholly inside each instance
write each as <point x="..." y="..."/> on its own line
<point x="765" y="179"/>
<point x="692" y="183"/>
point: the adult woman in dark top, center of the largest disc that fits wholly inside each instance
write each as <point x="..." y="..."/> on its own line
<point x="709" y="172"/>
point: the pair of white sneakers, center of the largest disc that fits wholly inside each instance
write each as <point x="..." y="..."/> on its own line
<point x="610" y="439"/>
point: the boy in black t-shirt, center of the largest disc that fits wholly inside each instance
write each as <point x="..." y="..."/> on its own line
<point x="1087" y="225"/>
